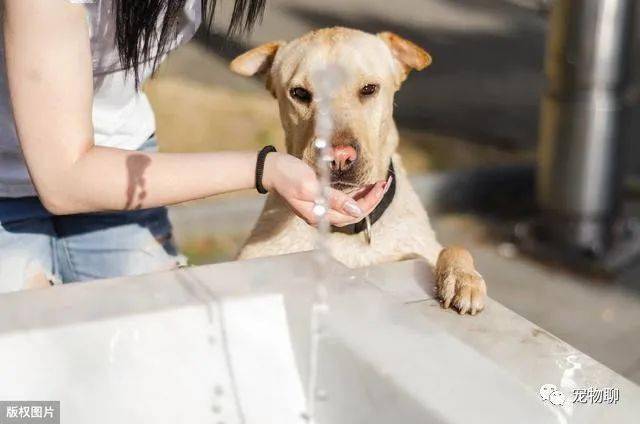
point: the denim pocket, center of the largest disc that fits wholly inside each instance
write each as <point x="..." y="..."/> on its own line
<point x="118" y="244"/>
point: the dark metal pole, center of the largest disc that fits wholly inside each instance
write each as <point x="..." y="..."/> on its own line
<point x="582" y="122"/>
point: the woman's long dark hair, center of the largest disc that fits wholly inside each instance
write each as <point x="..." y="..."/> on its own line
<point x="141" y="25"/>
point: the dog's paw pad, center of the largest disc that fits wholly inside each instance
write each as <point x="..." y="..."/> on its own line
<point x="463" y="290"/>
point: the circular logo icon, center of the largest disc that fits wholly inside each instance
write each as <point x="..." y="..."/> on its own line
<point x="557" y="398"/>
<point x="546" y="390"/>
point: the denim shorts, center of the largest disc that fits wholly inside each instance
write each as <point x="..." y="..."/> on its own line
<point x="38" y="248"/>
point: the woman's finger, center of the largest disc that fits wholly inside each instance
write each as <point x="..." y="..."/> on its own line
<point x="347" y="205"/>
<point x="368" y="202"/>
<point x="339" y="220"/>
<point x="304" y="210"/>
<point x="344" y="204"/>
<point x="344" y="210"/>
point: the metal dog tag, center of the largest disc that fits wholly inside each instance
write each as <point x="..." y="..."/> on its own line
<point x="368" y="234"/>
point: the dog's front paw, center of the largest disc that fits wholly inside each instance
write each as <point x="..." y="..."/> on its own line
<point x="464" y="290"/>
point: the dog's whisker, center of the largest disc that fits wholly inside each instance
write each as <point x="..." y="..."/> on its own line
<point x="344" y="183"/>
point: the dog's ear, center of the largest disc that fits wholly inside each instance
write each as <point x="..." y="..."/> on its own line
<point x="256" y="61"/>
<point x="409" y="55"/>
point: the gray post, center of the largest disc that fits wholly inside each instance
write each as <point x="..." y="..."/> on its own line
<point x="582" y="122"/>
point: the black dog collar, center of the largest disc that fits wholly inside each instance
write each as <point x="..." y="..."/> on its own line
<point x="376" y="214"/>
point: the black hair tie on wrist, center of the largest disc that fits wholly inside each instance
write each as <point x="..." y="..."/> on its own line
<point x="262" y="156"/>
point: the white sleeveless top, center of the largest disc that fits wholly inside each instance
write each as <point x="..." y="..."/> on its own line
<point x="122" y="116"/>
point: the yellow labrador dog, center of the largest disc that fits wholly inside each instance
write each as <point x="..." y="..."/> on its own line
<point x="364" y="143"/>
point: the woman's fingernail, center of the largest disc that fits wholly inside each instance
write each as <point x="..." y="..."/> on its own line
<point x="353" y="209"/>
<point x="387" y="185"/>
<point x="381" y="190"/>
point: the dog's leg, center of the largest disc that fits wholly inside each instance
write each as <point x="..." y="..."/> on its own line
<point x="457" y="281"/>
<point x="458" y="284"/>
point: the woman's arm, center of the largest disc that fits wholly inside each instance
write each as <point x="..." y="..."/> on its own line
<point x="50" y="78"/>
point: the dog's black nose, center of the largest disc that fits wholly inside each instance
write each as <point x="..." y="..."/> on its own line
<point x="343" y="158"/>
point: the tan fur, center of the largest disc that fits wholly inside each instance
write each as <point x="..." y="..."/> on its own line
<point x="407" y="53"/>
<point x="404" y="230"/>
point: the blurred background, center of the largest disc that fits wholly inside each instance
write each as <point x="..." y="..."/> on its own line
<point x="470" y="136"/>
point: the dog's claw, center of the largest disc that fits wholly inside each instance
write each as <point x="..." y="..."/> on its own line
<point x="446" y="303"/>
<point x="477" y="302"/>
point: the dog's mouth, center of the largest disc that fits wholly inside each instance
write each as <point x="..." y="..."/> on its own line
<point x="350" y="188"/>
<point x="345" y="181"/>
<point x="356" y="192"/>
<point x="344" y="186"/>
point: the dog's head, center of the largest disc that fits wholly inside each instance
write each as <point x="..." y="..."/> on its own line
<point x="366" y="71"/>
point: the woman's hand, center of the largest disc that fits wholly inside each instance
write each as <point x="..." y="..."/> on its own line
<point x="297" y="183"/>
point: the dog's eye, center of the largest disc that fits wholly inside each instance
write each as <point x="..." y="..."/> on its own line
<point x="301" y="94"/>
<point x="369" y="90"/>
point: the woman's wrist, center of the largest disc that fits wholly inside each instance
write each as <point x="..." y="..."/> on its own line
<point x="270" y="167"/>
